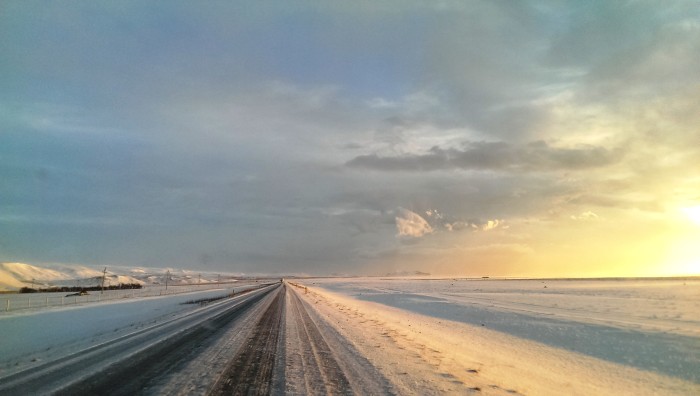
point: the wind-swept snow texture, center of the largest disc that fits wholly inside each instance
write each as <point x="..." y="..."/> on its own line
<point x="572" y="337"/>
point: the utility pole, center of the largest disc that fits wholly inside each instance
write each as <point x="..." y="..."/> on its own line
<point x="167" y="276"/>
<point x="104" y="275"/>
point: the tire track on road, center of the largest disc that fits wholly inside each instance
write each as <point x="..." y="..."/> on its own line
<point x="321" y="372"/>
<point x="359" y="375"/>
<point x="139" y="373"/>
<point x="251" y="370"/>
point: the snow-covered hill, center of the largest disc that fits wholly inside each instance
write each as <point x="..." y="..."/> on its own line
<point x="14" y="276"/>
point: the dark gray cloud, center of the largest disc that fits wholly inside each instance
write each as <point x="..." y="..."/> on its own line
<point x="500" y="156"/>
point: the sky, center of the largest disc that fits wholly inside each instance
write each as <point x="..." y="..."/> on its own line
<point x="457" y="138"/>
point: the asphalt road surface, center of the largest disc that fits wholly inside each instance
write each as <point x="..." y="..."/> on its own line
<point x="265" y="342"/>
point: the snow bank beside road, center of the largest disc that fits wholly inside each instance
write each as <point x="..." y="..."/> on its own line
<point x="426" y="354"/>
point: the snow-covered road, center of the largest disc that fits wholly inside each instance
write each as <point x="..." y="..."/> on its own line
<point x="266" y="341"/>
<point x="289" y="338"/>
<point x="135" y="361"/>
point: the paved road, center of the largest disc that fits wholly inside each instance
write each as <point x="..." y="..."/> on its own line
<point x="266" y="342"/>
<point x="251" y="370"/>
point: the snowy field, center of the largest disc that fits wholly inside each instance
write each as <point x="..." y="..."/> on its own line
<point x="645" y="329"/>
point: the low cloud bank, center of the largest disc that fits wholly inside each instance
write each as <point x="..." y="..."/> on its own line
<point x="535" y="156"/>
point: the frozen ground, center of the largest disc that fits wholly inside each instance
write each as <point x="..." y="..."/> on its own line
<point x="633" y="328"/>
<point x="367" y="336"/>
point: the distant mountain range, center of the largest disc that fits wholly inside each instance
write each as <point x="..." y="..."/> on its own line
<point x="407" y="273"/>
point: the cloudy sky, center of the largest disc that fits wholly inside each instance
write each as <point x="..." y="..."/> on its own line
<point x="452" y="137"/>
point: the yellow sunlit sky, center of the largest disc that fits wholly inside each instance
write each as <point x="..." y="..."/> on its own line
<point x="456" y="138"/>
